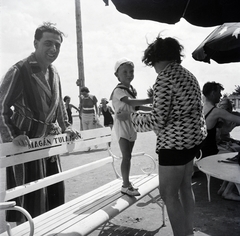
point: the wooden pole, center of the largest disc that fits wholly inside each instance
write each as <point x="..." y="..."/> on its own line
<point x="79" y="49"/>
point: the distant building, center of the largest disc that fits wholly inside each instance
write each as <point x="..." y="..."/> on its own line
<point x="235" y="100"/>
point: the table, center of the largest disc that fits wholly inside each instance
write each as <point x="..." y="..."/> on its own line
<point x="226" y="171"/>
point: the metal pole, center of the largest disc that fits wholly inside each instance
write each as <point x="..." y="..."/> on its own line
<point x="79" y="48"/>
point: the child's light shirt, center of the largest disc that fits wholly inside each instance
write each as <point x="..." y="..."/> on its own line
<point x="123" y="129"/>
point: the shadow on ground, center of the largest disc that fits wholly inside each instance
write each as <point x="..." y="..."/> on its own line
<point x="116" y="230"/>
<point x="220" y="217"/>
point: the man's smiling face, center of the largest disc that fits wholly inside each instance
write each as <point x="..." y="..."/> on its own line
<point x="47" y="48"/>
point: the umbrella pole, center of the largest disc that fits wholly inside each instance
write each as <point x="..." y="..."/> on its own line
<point x="79" y="49"/>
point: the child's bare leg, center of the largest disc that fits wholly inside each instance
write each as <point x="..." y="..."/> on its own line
<point x="126" y="148"/>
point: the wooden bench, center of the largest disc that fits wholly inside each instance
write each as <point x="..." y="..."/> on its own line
<point x="87" y="212"/>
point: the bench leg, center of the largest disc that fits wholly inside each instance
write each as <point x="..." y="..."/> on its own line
<point x="9" y="229"/>
<point x="103" y="227"/>
<point x="162" y="205"/>
<point x="28" y="216"/>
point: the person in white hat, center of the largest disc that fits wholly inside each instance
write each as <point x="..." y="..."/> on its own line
<point x="124" y="99"/>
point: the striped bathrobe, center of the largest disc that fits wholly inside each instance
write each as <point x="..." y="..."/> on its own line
<point x="29" y="104"/>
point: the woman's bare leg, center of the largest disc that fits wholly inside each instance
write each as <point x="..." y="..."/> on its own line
<point x="170" y="179"/>
<point x="187" y="198"/>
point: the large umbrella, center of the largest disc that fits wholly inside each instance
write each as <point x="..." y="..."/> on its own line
<point x="204" y="13"/>
<point x="222" y="45"/>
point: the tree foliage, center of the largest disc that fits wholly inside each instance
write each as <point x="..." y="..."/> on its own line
<point x="237" y="90"/>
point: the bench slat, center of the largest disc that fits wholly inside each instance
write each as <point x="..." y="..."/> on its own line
<point x="41" y="183"/>
<point x="55" y="145"/>
<point x="51" y="141"/>
<point x="106" y="197"/>
<point x="85" y="213"/>
<point x="89" y="224"/>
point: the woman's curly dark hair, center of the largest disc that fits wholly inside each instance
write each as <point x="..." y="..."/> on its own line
<point x="168" y="49"/>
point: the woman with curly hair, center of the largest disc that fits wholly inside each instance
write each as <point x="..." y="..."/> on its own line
<point x="178" y="121"/>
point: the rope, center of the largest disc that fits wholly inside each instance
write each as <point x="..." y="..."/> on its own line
<point x="33" y="119"/>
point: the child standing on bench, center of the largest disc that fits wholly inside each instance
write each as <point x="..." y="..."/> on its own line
<point x="123" y="99"/>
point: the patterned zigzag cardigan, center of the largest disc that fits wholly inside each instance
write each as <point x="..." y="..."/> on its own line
<point x="177" y="115"/>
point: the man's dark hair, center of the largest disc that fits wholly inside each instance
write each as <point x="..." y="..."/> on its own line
<point x="47" y="27"/>
<point x="167" y="49"/>
<point x="211" y="86"/>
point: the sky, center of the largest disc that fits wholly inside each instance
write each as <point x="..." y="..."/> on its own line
<point x="108" y="35"/>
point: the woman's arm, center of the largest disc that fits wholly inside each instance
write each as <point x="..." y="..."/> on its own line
<point x="110" y="110"/>
<point x="71" y="105"/>
<point x="100" y="110"/>
<point x="96" y="109"/>
<point x="221" y="113"/>
<point x="156" y="118"/>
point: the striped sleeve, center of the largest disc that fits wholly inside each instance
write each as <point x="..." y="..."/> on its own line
<point x="10" y="90"/>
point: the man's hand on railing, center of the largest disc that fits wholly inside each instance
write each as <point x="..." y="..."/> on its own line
<point x="22" y="140"/>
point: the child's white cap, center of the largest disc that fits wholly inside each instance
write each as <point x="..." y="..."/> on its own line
<point x="122" y="61"/>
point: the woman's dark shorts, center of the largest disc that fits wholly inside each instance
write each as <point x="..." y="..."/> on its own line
<point x="174" y="157"/>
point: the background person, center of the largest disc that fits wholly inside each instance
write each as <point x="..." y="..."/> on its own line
<point x="224" y="140"/>
<point x="69" y="107"/>
<point x="107" y="113"/>
<point x="218" y="118"/>
<point x="213" y="116"/>
<point x="177" y="119"/>
<point x="225" y="143"/>
<point x="88" y="109"/>
<point x="32" y="87"/>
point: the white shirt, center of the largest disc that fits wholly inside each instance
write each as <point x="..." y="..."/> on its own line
<point x="123" y="129"/>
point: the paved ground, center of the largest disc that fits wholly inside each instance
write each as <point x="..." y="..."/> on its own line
<point x="216" y="218"/>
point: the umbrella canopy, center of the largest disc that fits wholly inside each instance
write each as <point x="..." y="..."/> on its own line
<point x="204" y="13"/>
<point x="222" y="45"/>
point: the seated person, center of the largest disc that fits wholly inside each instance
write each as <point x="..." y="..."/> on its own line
<point x="225" y="143"/>
<point x="215" y="118"/>
<point x="213" y="115"/>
